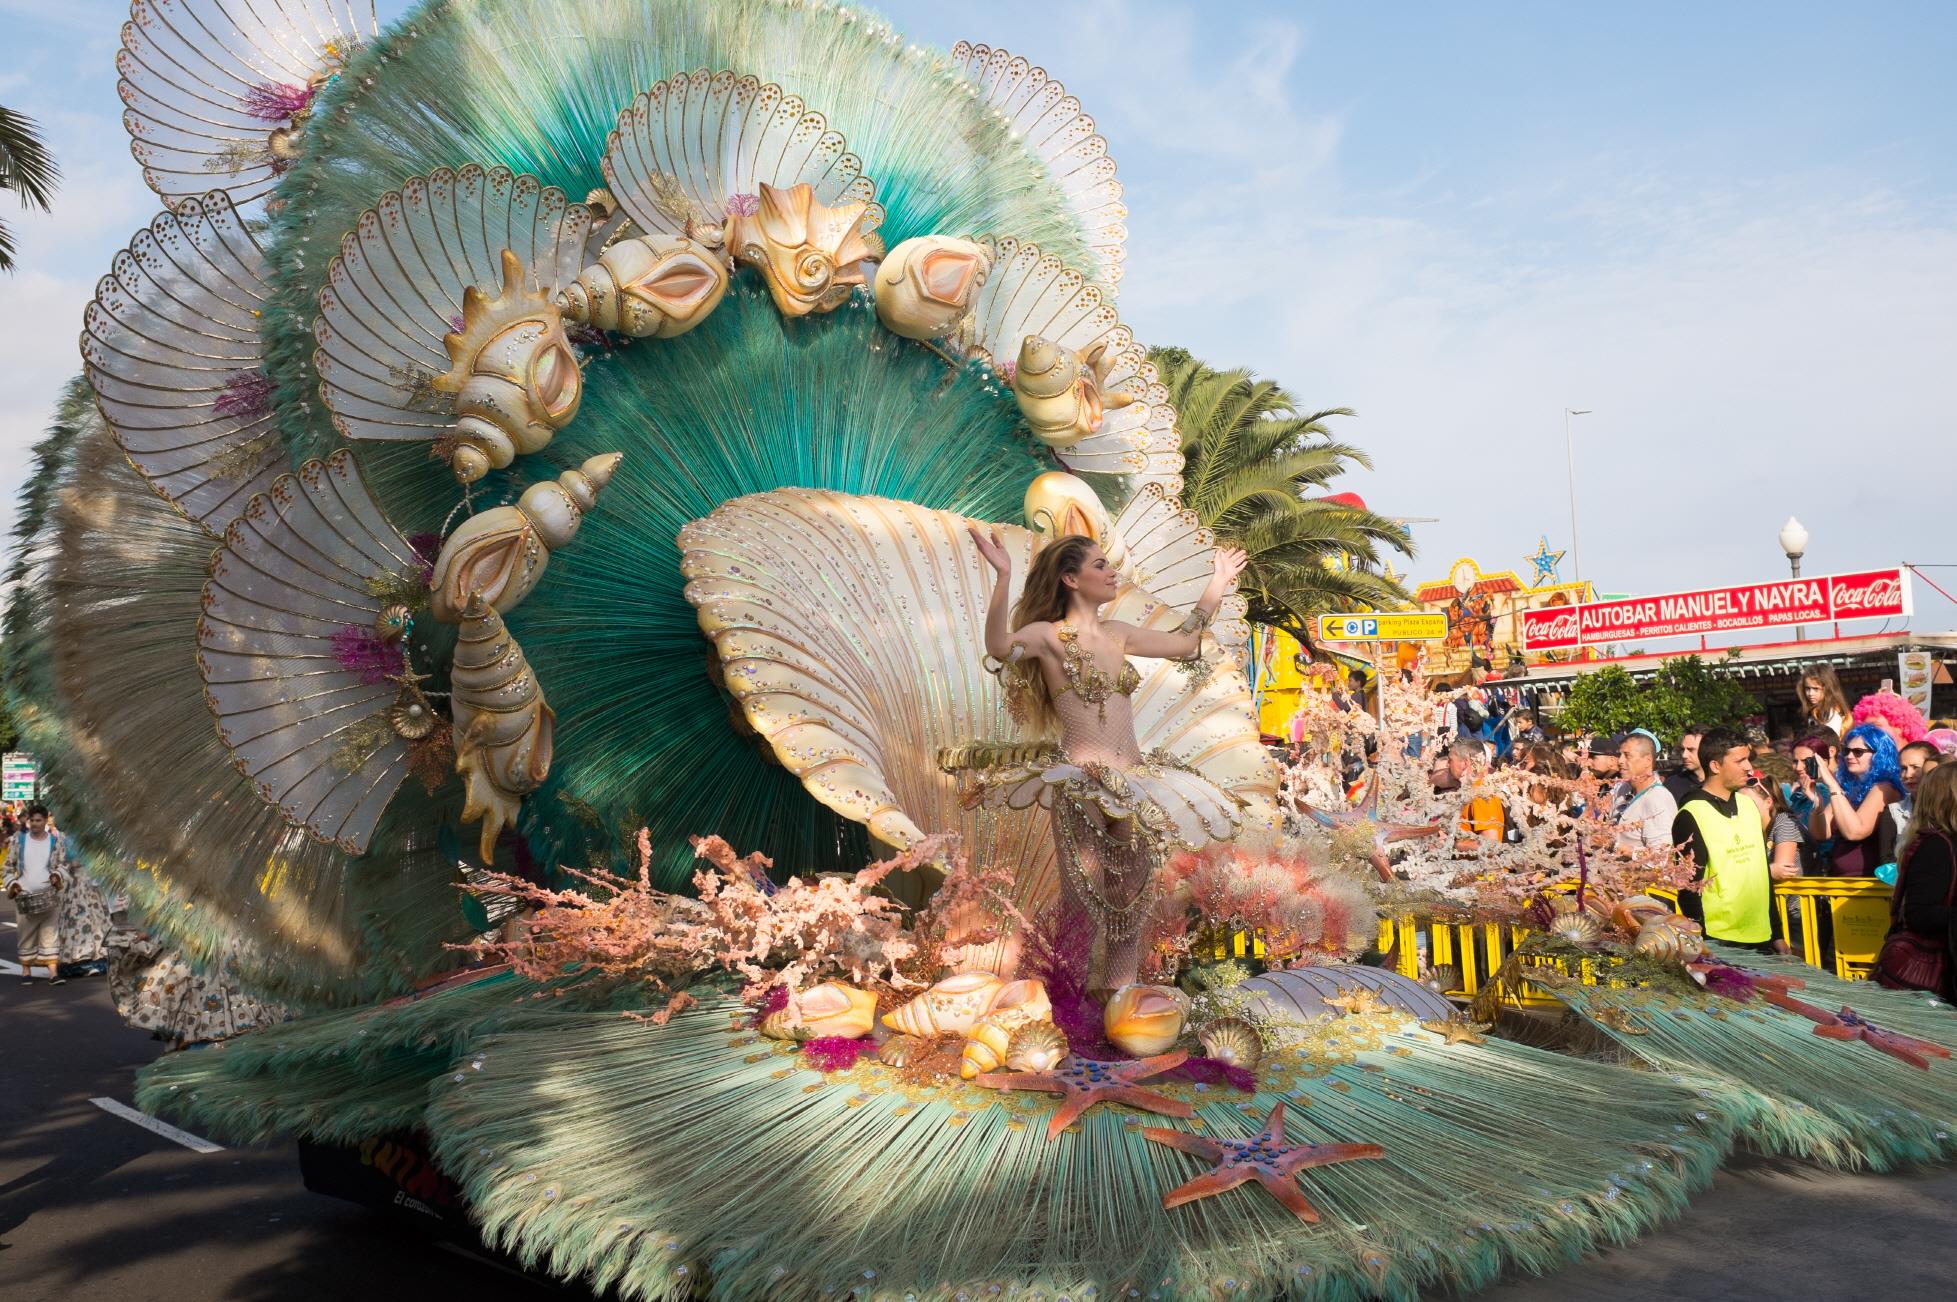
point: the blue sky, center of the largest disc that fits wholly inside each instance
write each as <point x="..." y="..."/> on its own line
<point x="1729" y="229"/>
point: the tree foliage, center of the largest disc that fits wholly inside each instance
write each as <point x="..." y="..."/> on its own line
<point x="26" y="168"/>
<point x="1685" y="693"/>
<point x="1256" y="468"/>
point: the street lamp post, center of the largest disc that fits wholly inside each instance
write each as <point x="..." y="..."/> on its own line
<point x="1794" y="542"/>
<point x="1569" y="456"/>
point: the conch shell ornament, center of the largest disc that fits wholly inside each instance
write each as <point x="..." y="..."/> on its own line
<point x="500" y="554"/>
<point x="810" y="254"/>
<point x="927" y="284"/>
<point x="649" y="287"/>
<point x="951" y="1007"/>
<point x="515" y="379"/>
<point x="1062" y="393"/>
<point x="830" y="1009"/>
<point x="504" y="730"/>
<point x="1059" y="504"/>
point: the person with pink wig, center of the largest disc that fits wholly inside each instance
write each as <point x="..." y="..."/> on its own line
<point x="1902" y="721"/>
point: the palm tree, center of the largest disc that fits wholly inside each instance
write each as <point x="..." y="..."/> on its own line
<point x="1256" y="472"/>
<point x="27" y="168"/>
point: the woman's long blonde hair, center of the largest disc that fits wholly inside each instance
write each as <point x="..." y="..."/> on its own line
<point x="1934" y="807"/>
<point x="1043" y="598"/>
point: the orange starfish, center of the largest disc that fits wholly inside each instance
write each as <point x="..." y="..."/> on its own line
<point x="1083" y="1082"/>
<point x="1268" y="1158"/>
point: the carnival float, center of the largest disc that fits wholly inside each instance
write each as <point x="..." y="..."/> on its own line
<point x="511" y="587"/>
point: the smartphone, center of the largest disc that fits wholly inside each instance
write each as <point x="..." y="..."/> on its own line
<point x="1813" y="767"/>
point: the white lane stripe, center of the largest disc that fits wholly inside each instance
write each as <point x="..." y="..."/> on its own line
<point x="14" y="925"/>
<point x="9" y="968"/>
<point x="149" y="1123"/>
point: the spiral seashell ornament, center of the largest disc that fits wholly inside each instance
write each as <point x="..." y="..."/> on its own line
<point x="985" y="1049"/>
<point x="830" y="1009"/>
<point x="650" y="287"/>
<point x="504" y="730"/>
<point x="951" y="1007"/>
<point x="500" y="554"/>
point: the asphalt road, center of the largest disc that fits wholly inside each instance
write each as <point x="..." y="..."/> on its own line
<point x="92" y="1206"/>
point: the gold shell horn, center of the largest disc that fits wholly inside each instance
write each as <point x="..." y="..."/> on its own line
<point x="501" y="553"/>
<point x="504" y="730"/>
<point x="648" y="287"/>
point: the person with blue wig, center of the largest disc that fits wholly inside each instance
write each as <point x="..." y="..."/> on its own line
<point x="1851" y="805"/>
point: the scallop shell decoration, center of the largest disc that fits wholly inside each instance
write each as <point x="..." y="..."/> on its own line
<point x="835" y="692"/>
<point x="308" y="563"/>
<point x="1579" y="929"/>
<point x="650" y="287"/>
<point x="1144" y="1020"/>
<point x="1053" y="126"/>
<point x="695" y="150"/>
<point x="500" y="554"/>
<point x="830" y="1009"/>
<point x="173" y="353"/>
<point x="403" y="284"/>
<point x="1036" y="1046"/>
<point x="219" y="92"/>
<point x="985" y="1048"/>
<point x="505" y="732"/>
<point x="951" y="1007"/>
<point x="902" y="1050"/>
<point x="1299" y="994"/>
<point x="1231" y="1040"/>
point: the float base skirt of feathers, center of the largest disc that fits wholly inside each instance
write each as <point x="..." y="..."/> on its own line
<point x="508" y="598"/>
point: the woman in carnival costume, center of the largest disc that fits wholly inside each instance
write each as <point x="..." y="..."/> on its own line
<point x="1116" y="812"/>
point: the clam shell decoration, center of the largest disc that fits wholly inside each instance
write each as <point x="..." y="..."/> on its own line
<point x="1143" y="1020"/>
<point x="1580" y="929"/>
<point x="504" y="730"/>
<point x="951" y="1007"/>
<point x="830" y="1009"/>
<point x="901" y="1050"/>
<point x="651" y="287"/>
<point x="1019" y="1002"/>
<point x="1232" y="1040"/>
<point x="985" y="1049"/>
<point x="1662" y="939"/>
<point x="927" y="283"/>
<point x="1298" y="994"/>
<point x="500" y="554"/>
<point x="1036" y="1046"/>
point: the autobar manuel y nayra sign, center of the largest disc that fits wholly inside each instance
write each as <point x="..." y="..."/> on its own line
<point x="1872" y="594"/>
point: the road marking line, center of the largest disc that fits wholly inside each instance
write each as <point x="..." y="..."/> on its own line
<point x="163" y="1128"/>
<point x="9" y="967"/>
<point x="14" y="925"/>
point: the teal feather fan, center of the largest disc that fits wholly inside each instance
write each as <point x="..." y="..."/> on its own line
<point x="747" y="402"/>
<point x="1789" y="1091"/>
<point x="102" y="654"/>
<point x="537" y="89"/>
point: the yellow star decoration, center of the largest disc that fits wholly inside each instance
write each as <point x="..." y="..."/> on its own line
<point x="1358" y="1002"/>
<point x="1455" y="1031"/>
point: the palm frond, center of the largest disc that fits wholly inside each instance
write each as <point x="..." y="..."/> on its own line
<point x="27" y="168"/>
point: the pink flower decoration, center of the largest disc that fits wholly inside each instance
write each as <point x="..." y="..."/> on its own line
<point x="247" y="395"/>
<point x="835" y="1053"/>
<point x="743" y="205"/>
<point x="275" y="101"/>
<point x="360" y="651"/>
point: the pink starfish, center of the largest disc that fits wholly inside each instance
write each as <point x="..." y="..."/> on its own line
<point x="1366" y="812"/>
<point x="1268" y="1158"/>
<point x="1083" y="1082"/>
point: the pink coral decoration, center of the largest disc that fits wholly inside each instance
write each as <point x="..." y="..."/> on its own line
<point x="247" y="396"/>
<point x="836" y="1053"/>
<point x="743" y="205"/>
<point x="277" y="101"/>
<point x="359" y="650"/>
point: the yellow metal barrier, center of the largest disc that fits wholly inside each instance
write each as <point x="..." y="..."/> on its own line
<point x="1858" y="914"/>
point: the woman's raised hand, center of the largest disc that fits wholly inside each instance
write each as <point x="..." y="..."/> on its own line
<point x="993" y="547"/>
<point x="1230" y="562"/>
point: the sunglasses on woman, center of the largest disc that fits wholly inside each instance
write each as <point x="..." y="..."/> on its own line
<point x="1857" y="750"/>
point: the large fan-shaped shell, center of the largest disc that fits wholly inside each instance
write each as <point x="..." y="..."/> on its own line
<point x="1299" y="994"/>
<point x="1163" y="549"/>
<point x="687" y="146"/>
<point x="172" y="349"/>
<point x="1031" y="292"/>
<point x="395" y="289"/>
<point x="850" y="630"/>
<point x="1051" y="124"/>
<point x="202" y="80"/>
<point x="309" y="558"/>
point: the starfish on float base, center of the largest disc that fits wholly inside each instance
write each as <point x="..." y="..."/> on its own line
<point x="1083" y="1082"/>
<point x="1851" y="1026"/>
<point x="1366" y="814"/>
<point x="1357" y="1002"/>
<point x="1453" y="1030"/>
<point x="1268" y="1158"/>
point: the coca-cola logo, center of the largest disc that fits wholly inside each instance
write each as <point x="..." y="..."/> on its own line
<point x="1559" y="627"/>
<point x="1875" y="594"/>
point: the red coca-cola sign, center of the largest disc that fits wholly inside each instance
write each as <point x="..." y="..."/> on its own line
<point x="1872" y="594"/>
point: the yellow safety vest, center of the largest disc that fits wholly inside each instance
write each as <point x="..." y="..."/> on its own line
<point x="1737" y="893"/>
